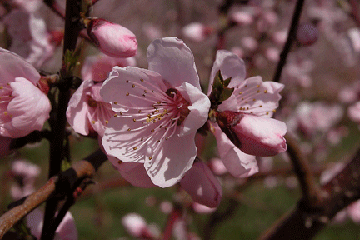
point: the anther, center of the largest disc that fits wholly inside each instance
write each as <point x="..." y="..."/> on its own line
<point x="133" y="85"/>
<point x="141" y="80"/>
<point x="115" y="115"/>
<point x="134" y="119"/>
<point x="127" y="94"/>
<point x="134" y="148"/>
<point x="129" y="129"/>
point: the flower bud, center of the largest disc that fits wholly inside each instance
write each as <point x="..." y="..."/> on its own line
<point x="202" y="185"/>
<point x="112" y="39"/>
<point x="258" y="136"/>
<point x="307" y="34"/>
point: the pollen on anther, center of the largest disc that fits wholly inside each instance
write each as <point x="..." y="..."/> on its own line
<point x="106" y="121"/>
<point x="258" y="85"/>
<point x="119" y="162"/>
<point x="150" y="158"/>
<point x="141" y="80"/>
<point x="240" y="93"/>
<point x="134" y="119"/>
<point x="245" y="86"/>
<point x="144" y="95"/>
<point x="152" y="130"/>
<point x="145" y="91"/>
<point x="5" y="113"/>
<point x="115" y="115"/>
<point x="1" y="87"/>
<point x="134" y="148"/>
<point x="127" y="94"/>
<point x="115" y="102"/>
<point x="258" y="91"/>
<point x="274" y="110"/>
<point x="254" y="99"/>
<point x="93" y="122"/>
<point x="139" y="111"/>
<point x="265" y="91"/>
<point x="129" y="129"/>
<point x="133" y="85"/>
<point x="260" y="106"/>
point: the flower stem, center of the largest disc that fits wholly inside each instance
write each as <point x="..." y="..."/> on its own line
<point x="58" y="116"/>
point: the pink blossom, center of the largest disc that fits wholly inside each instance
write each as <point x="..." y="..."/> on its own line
<point x="202" y="185"/>
<point x="97" y="68"/>
<point x="137" y="226"/>
<point x="86" y="111"/>
<point x="112" y="39"/>
<point x="29" y="37"/>
<point x="24" y="108"/>
<point x="246" y="113"/>
<point x="196" y="31"/>
<point x="354" y="112"/>
<point x="242" y="17"/>
<point x="65" y="231"/>
<point x="158" y="112"/>
<point x="25" y="174"/>
<point x="238" y="163"/>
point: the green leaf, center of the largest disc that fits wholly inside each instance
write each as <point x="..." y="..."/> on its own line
<point x="220" y="91"/>
<point x="225" y="94"/>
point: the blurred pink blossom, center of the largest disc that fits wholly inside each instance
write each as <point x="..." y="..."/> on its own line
<point x="137" y="227"/>
<point x="25" y="174"/>
<point x="96" y="68"/>
<point x="24" y="108"/>
<point x="112" y="39"/>
<point x="242" y="17"/>
<point x="158" y="112"/>
<point x="196" y="31"/>
<point x="202" y="185"/>
<point x="354" y="112"/>
<point x="65" y="231"/>
<point x="29" y="36"/>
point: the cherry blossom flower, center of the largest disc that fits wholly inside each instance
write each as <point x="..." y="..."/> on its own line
<point x="245" y="116"/>
<point x="196" y="31"/>
<point x="23" y="107"/>
<point x="112" y="39"/>
<point x="29" y="37"/>
<point x="25" y="174"/>
<point x="65" y="231"/>
<point x="158" y="112"/>
<point x="86" y="111"/>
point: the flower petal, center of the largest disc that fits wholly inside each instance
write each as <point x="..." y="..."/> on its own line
<point x="238" y="163"/>
<point x="29" y="109"/>
<point x="173" y="60"/>
<point x="12" y="66"/>
<point x="132" y="172"/>
<point x="77" y="109"/>
<point x="202" y="185"/>
<point x="131" y="87"/>
<point x="230" y="65"/>
<point x="172" y="161"/>
<point x="261" y="136"/>
<point x="199" y="108"/>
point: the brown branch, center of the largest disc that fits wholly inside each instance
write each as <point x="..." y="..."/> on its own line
<point x="83" y="169"/>
<point x="303" y="222"/>
<point x="310" y="191"/>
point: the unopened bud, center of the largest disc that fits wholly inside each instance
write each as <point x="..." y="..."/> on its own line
<point x="111" y="38"/>
<point x="202" y="185"/>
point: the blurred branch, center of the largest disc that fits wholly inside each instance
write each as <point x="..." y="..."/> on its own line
<point x="57" y="186"/>
<point x="290" y="38"/>
<point x="304" y="222"/>
<point x="309" y="189"/>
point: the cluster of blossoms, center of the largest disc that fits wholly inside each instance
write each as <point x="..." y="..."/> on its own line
<point x="148" y="128"/>
<point x="146" y="120"/>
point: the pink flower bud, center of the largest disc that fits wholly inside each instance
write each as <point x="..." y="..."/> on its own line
<point x="259" y="136"/>
<point x="112" y="39"/>
<point x="202" y="185"/>
<point x="307" y="34"/>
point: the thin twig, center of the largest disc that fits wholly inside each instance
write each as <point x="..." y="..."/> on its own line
<point x="83" y="169"/>
<point x="290" y="38"/>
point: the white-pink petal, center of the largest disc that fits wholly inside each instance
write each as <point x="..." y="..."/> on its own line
<point x="261" y="136"/>
<point x="238" y="163"/>
<point x="173" y="60"/>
